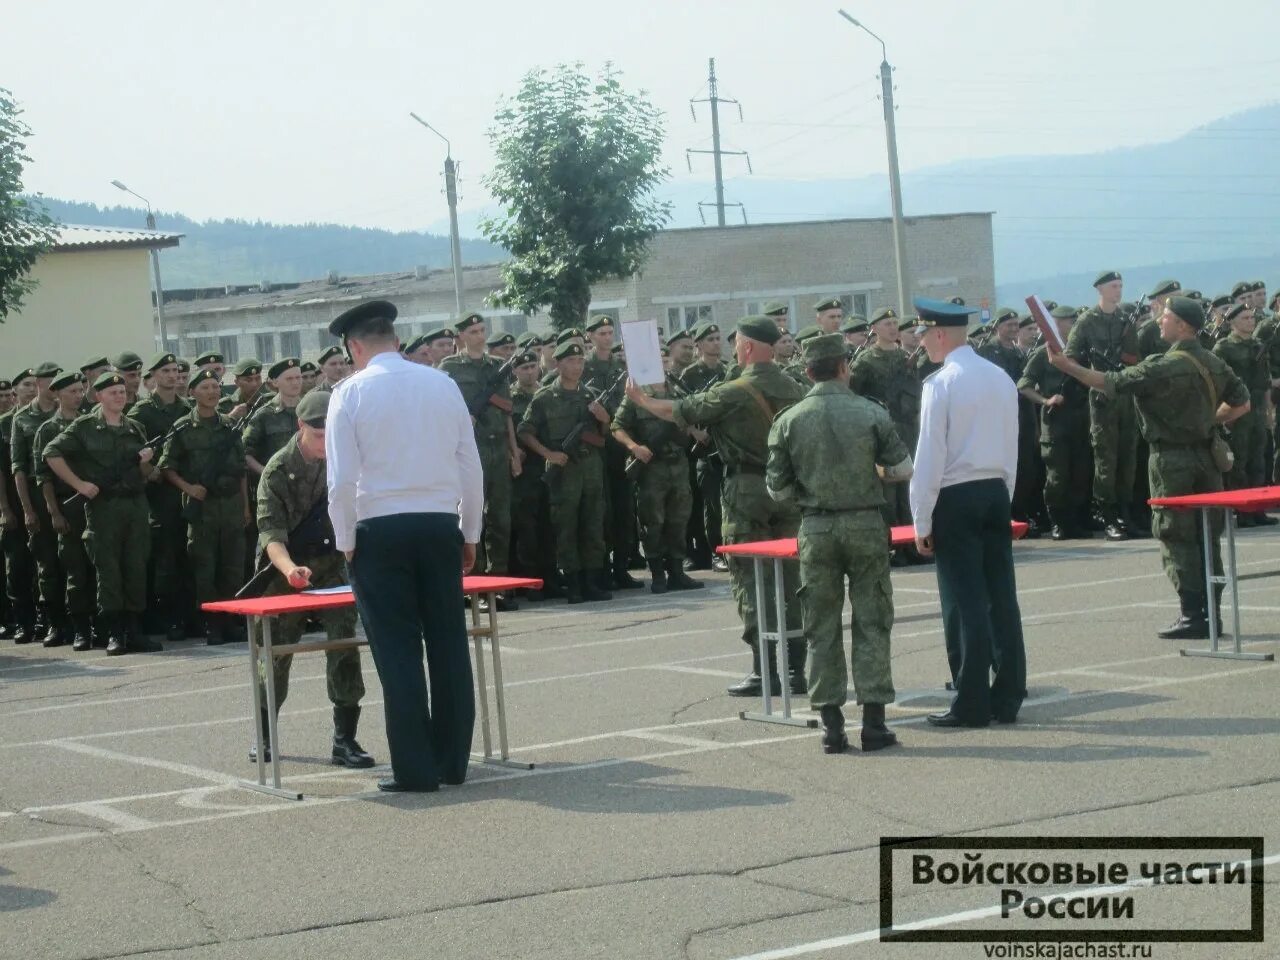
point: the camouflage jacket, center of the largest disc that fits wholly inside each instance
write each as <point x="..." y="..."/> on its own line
<point x="472" y="377"/>
<point x="1103" y="341"/>
<point x="738" y="424"/>
<point x="206" y="451"/>
<point x="1248" y="359"/>
<point x="290" y="486"/>
<point x="26" y="420"/>
<point x="101" y="454"/>
<point x="1008" y="359"/>
<point x="663" y="438"/>
<point x="1047" y="380"/>
<point x="883" y="375"/>
<point x="269" y="429"/>
<point x="45" y="433"/>
<point x="552" y="415"/>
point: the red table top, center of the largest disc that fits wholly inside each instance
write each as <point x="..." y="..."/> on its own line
<point x="902" y="536"/>
<point x="1252" y="498"/>
<point x="303" y="602"/>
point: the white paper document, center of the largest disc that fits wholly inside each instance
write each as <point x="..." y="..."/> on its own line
<point x="327" y="591"/>
<point x="644" y="358"/>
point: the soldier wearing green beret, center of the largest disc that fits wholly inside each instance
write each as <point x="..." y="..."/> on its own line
<point x="333" y="368"/>
<point x="8" y="400"/>
<point x="1149" y="339"/>
<point x="563" y="425"/>
<point x="42" y="540"/>
<point x="829" y="455"/>
<point x="20" y="583"/>
<point x="310" y="373"/>
<point x="881" y="373"/>
<point x="779" y="313"/>
<point x="533" y="539"/>
<point x="829" y="314"/>
<point x="1181" y="396"/>
<point x="275" y="421"/>
<point x="501" y="345"/>
<point x="1001" y="346"/>
<point x="204" y="459"/>
<point x="295" y="537"/>
<point x="129" y="365"/>
<point x="1248" y="360"/>
<point x="738" y="415"/>
<point x="475" y="373"/>
<point x="92" y="370"/>
<point x="1104" y="339"/>
<point x="682" y="352"/>
<point x="69" y="604"/>
<point x="705" y="522"/>
<point x="247" y="394"/>
<point x="103" y="457"/>
<point x="1064" y="435"/>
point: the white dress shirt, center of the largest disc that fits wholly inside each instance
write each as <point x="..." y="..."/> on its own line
<point x="968" y="431"/>
<point x="399" y="439"/>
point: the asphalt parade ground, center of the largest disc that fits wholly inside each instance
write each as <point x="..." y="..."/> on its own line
<point x="655" y="824"/>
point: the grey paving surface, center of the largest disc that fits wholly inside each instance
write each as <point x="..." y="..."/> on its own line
<point x="655" y="823"/>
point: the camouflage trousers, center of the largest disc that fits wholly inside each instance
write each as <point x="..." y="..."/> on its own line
<point x="1175" y="471"/>
<point x="342" y="667"/>
<point x="216" y="548"/>
<point x="1249" y="444"/>
<point x="1066" y="457"/>
<point x="1113" y="432"/>
<point x="119" y="540"/>
<point x="577" y="512"/>
<point x="495" y="462"/>
<point x="73" y="555"/>
<point x="835" y="547"/>
<point x="43" y="544"/>
<point x="750" y="514"/>
<point x="664" y="502"/>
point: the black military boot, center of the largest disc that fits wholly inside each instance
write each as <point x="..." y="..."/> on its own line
<point x="82" y="633"/>
<point x="1058" y="528"/>
<point x="1264" y="520"/>
<point x="551" y="589"/>
<point x="750" y="685"/>
<point x="214" y="634"/>
<point x="875" y="735"/>
<point x="139" y="642"/>
<point x="797" y="650"/>
<point x="677" y="579"/>
<point x="502" y="602"/>
<point x="265" y="724"/>
<point x="24" y="630"/>
<point x="1192" y="623"/>
<point x="175" y="630"/>
<point x="1112" y="529"/>
<point x="346" y="751"/>
<point x="658" y="570"/>
<point x="593" y="588"/>
<point x="59" y="634"/>
<point x="622" y="579"/>
<point x="833" y="736"/>
<point x="40" y="627"/>
<point x="117" y="640"/>
<point x="573" y="587"/>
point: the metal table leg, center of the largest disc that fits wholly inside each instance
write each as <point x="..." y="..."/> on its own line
<point x="1231" y="580"/>
<point x="267" y="660"/>
<point x="780" y="637"/>
<point x="500" y="703"/>
<point x="482" y="682"/>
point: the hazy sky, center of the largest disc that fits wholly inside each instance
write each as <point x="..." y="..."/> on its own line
<point x="297" y="110"/>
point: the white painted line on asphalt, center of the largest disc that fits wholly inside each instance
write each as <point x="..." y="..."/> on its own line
<point x="675" y="740"/>
<point x="703" y="671"/>
<point x="963" y="916"/>
<point x="186" y="769"/>
<point x="118" y="818"/>
<point x="1110" y="675"/>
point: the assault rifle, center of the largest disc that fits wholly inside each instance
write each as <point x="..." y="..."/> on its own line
<point x="311" y="538"/>
<point x="117" y="475"/>
<point x="665" y="433"/>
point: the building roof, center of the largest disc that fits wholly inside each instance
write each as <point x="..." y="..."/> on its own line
<point x="73" y="236"/>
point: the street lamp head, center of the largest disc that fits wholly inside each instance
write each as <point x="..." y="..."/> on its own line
<point x="447" y="148"/>
<point x="119" y="186"/>
<point x="845" y="14"/>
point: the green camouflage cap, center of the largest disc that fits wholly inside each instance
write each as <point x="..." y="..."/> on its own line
<point x="280" y="366"/>
<point x="855" y="325"/>
<point x="1003" y="314"/>
<point x="1164" y="287"/>
<point x="679" y="335"/>
<point x="885" y="313"/>
<point x="704" y="330"/>
<point x="824" y="345"/>
<point x="524" y="359"/>
<point x="23" y="375"/>
<point x="1064" y="312"/>
<point x="68" y="379"/>
<point x="528" y="339"/>
<point x="47" y="369"/>
<point x="1231" y="313"/>
<point x="831" y="303"/>
<point x="160" y="360"/>
<point x="94" y="364"/>
<point x="246" y="367"/>
<point x="210" y="356"/>
<point x="414" y="344"/>
<point x="775" y="308"/>
<point x="911" y="321"/>
<point x="467" y="322"/>
<point x="568" y="350"/>
<point x="761" y="329"/>
<point x="1106" y="277"/>
<point x="314" y="407"/>
<point x="598" y="321"/>
<point x="808" y="332"/>
<point x="200" y="376"/>
<point x="309" y="366"/>
<point x="501" y="340"/>
<point x="127" y="362"/>
<point x="564" y="336"/>
<point x="108" y="379"/>
<point x="327" y="354"/>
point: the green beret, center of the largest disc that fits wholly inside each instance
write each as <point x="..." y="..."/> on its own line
<point x="596" y="322"/>
<point x="23" y="375"/>
<point x="414" y="344"/>
<point x="128" y="362"/>
<point x="1163" y="287"/>
<point x="831" y="303"/>
<point x="884" y="313"/>
<point x="370" y="310"/>
<point x="212" y="356"/>
<point x="704" y="330"/>
<point x="1106" y="277"/>
<point x="1193" y="294"/>
<point x="47" y="369"/>
<point x="1232" y="312"/>
<point x="854" y="324"/>
<point x="160" y="360"/>
<point x="564" y="336"/>
<point x="183" y="366"/>
<point x="94" y="364"/>
<point x="1064" y="312"/>
<point x="568" y="350"/>
<point x="1026" y="322"/>
<point x="679" y="335"/>
<point x="438" y="333"/>
<point x="824" y="345"/>
<point x="200" y="376"/>
<point x="806" y="333"/>
<point x="6" y="385"/>
<point x="248" y="367"/>
<point x="501" y="340"/>
<point x="1187" y="310"/>
<point x="1004" y="313"/>
<point x="108" y="379"/>
<point x="329" y="353"/>
<point x="467" y="322"/>
<point x="314" y="407"/>
<point x="1050" y="304"/>
<point x="528" y="339"/>
<point x="1222" y="300"/>
<point x="68" y="379"/>
<point x="309" y="367"/>
<point x="524" y="359"/>
<point x="775" y="308"/>
<point x="618" y="347"/>
<point x="761" y="329"/>
<point x="280" y="366"/>
<point x="1244" y="286"/>
<point x="909" y="322"/>
<point x="1260" y="285"/>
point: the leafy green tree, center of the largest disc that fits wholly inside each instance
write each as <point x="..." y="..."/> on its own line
<point x="26" y="230"/>
<point x="577" y="161"/>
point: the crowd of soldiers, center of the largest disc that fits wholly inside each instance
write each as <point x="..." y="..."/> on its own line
<point x="583" y="483"/>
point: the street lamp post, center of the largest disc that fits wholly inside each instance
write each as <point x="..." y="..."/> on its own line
<point x="451" y="193"/>
<point x="155" y="273"/>
<point x="895" y="180"/>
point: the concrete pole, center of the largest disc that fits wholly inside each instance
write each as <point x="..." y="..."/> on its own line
<point x="895" y="190"/>
<point x="715" y="144"/>
<point x="451" y="192"/>
<point x="159" y="293"/>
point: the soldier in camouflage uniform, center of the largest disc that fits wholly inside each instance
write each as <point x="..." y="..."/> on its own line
<point x="92" y="370"/>
<point x="681" y="350"/>
<point x="167" y="587"/>
<point x="1064" y="435"/>
<point x="295" y="537"/>
<point x="574" y="472"/>
<point x="42" y="539"/>
<point x="129" y="365"/>
<point x="829" y="314"/>
<point x="658" y="457"/>
<point x="474" y="372"/>
<point x="1104" y="339"/>
<point x="824" y="454"/>
<point x="702" y="374"/>
<point x="533" y="550"/>
<point x="19" y="566"/>
<point x="1001" y="348"/>
<point x="1181" y="395"/>
<point x="240" y="403"/>
<point x="267" y="430"/>
<point x="1247" y="358"/>
<point x="204" y="459"/>
<point x="8" y="400"/>
<point x="104" y="457"/>
<point x="601" y="373"/>
<point x="71" y="608"/>
<point x="1149" y="340"/>
<point x="333" y="368"/>
<point x="738" y="415"/>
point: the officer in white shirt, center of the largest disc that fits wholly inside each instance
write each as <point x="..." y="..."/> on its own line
<point x="965" y="465"/>
<point x="405" y="498"/>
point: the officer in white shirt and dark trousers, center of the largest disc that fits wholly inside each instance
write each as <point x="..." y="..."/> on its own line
<point x="965" y="465"/>
<point x="405" y="498"/>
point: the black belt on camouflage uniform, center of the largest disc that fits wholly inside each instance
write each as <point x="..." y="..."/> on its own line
<point x="743" y="468"/>
<point x="1167" y="445"/>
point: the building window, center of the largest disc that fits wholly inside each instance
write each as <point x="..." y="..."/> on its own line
<point x="203" y="345"/>
<point x="688" y="316"/>
<point x="171" y="346"/>
<point x="855" y="304"/>
<point x="264" y="345"/>
<point x="325" y="339"/>
<point x="518" y="323"/>
<point x="291" y="344"/>
<point x="229" y="347"/>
